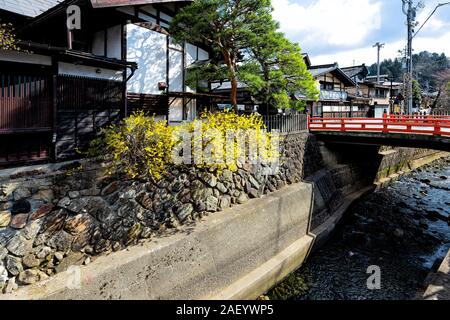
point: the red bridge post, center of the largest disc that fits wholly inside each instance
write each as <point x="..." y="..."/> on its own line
<point x="437" y="128"/>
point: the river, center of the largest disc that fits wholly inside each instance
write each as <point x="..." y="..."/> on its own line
<point x="403" y="229"/>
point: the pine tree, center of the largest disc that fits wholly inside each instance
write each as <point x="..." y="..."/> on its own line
<point x="246" y="48"/>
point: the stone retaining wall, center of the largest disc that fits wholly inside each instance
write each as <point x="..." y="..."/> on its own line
<point x="52" y="219"/>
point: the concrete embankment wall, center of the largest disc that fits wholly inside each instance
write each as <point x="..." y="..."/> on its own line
<point x="235" y="251"/>
<point x="199" y="262"/>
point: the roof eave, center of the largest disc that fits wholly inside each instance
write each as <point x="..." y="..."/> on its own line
<point x="121" y="3"/>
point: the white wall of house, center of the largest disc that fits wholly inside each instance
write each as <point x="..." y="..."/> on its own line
<point x="379" y="110"/>
<point x="176" y="111"/>
<point x="159" y="60"/>
<point x="175" y="71"/>
<point x="191" y="57"/>
<point x="202" y="54"/>
<point x="148" y="49"/>
<point x="87" y="71"/>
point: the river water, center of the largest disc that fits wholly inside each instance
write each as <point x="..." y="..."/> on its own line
<point x="403" y="229"/>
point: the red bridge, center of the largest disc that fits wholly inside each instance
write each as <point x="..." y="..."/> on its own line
<point x="432" y="132"/>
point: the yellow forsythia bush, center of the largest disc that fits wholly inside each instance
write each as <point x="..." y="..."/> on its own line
<point x="216" y="125"/>
<point x="141" y="146"/>
<point x="138" y="146"/>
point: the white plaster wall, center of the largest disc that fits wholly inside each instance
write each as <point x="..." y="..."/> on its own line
<point x="191" y="57"/>
<point x="175" y="71"/>
<point x="191" y="110"/>
<point x="176" y="111"/>
<point x="114" y="37"/>
<point x="86" y="71"/>
<point x="166" y="17"/>
<point x="148" y="49"/>
<point x="191" y="53"/>
<point x="202" y="54"/>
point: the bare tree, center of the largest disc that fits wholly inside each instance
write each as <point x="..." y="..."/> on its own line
<point x="442" y="101"/>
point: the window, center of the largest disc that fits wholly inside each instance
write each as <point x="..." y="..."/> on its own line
<point x="380" y="93"/>
<point x="326" y="86"/>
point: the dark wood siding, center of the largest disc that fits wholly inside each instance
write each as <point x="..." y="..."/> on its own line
<point x="85" y="105"/>
<point x="25" y="102"/>
<point x="26" y="113"/>
<point x="150" y="103"/>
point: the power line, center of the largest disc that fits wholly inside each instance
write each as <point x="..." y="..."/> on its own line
<point x="429" y="17"/>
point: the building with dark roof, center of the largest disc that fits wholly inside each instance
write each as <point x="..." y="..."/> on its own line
<point x="121" y="59"/>
<point x="357" y="73"/>
<point x="27" y="8"/>
<point x="382" y="96"/>
<point x="334" y="99"/>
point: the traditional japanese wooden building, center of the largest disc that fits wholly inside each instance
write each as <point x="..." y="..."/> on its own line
<point x="380" y="97"/>
<point x="334" y="100"/>
<point x="66" y="84"/>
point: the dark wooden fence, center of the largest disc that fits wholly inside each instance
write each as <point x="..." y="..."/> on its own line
<point x="85" y="105"/>
<point x="149" y="103"/>
<point x="30" y="102"/>
<point x="25" y="107"/>
<point x="77" y="93"/>
<point x="285" y="124"/>
<point x="25" y="101"/>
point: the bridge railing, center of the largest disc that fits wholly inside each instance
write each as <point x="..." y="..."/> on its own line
<point x="429" y="125"/>
<point x="440" y="113"/>
<point x="286" y="124"/>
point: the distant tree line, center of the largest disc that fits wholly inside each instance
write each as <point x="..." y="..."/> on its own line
<point x="427" y="67"/>
<point x="431" y="76"/>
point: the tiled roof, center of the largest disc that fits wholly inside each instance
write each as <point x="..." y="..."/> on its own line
<point x="33" y="8"/>
<point x="28" y="8"/>
<point x="323" y="69"/>
<point x="317" y="71"/>
<point x="355" y="71"/>
<point x="115" y="3"/>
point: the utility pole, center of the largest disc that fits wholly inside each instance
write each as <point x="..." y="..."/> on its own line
<point x="410" y="13"/>
<point x="379" y="46"/>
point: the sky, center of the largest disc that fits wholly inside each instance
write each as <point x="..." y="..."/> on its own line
<point x="345" y="31"/>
